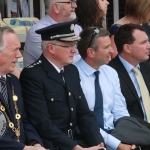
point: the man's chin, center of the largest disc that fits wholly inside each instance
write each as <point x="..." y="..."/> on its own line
<point x="11" y="70"/>
<point x="72" y="16"/>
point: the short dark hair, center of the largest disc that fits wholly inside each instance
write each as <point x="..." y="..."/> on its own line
<point x="124" y="35"/>
<point x="89" y="13"/>
<point x="86" y="35"/>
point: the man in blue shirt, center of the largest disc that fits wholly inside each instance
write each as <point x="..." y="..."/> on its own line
<point x="95" y="48"/>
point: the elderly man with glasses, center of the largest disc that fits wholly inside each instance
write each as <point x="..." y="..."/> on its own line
<point x="58" y="11"/>
<point x="55" y="103"/>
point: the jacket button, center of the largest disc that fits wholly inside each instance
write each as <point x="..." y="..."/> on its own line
<point x="52" y="99"/>
<point x="70" y="124"/>
<point x="71" y="109"/>
<point x="79" y="97"/>
<point x="69" y="94"/>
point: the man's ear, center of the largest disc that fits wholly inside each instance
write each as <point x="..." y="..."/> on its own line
<point x="51" y="49"/>
<point x="127" y="48"/>
<point x="56" y="7"/>
<point x="90" y="52"/>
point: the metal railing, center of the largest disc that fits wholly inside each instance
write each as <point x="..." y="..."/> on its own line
<point x="42" y="9"/>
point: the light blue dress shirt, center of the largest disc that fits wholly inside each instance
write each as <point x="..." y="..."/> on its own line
<point x="130" y="71"/>
<point x="114" y="104"/>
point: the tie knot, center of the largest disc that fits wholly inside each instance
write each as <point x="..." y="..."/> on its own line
<point x="96" y="73"/>
<point x="2" y="80"/>
<point x="136" y="70"/>
<point x="62" y="73"/>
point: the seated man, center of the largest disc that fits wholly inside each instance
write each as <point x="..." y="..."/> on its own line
<point x="16" y="133"/>
<point x="57" y="12"/>
<point x="133" y="49"/>
<point x="100" y="84"/>
<point x="53" y="95"/>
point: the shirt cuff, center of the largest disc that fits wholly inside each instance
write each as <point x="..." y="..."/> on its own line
<point x="110" y="140"/>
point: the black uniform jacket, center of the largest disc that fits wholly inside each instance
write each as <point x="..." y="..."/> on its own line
<point x="127" y="86"/>
<point x="28" y="133"/>
<point x="54" y="107"/>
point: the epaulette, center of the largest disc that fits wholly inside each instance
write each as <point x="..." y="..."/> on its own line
<point x="34" y="64"/>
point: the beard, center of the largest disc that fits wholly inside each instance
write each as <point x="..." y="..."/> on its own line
<point x="72" y="16"/>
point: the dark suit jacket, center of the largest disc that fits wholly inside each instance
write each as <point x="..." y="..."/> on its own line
<point x="28" y="133"/>
<point x="54" y="107"/>
<point x="127" y="87"/>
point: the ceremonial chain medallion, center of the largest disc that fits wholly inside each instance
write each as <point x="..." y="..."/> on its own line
<point x="3" y="124"/>
<point x="16" y="130"/>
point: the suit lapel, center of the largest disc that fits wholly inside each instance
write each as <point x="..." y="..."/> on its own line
<point x="125" y="76"/>
<point x="51" y="71"/>
<point x="10" y="100"/>
<point x="68" y="78"/>
<point x="145" y="70"/>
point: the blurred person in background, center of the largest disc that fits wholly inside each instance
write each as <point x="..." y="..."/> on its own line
<point x="57" y="11"/>
<point x="136" y="12"/>
<point x="91" y="12"/>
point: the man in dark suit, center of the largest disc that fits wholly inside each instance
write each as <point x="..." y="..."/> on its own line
<point x="54" y="99"/>
<point x="16" y="133"/>
<point x="133" y="49"/>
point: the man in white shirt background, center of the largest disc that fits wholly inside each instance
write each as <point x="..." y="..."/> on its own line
<point x="57" y="12"/>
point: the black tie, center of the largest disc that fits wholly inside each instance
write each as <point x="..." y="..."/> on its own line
<point x="98" y="109"/>
<point x="62" y="75"/>
<point x="4" y="89"/>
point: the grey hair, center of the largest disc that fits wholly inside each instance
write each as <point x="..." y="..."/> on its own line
<point x="44" y="44"/>
<point x="48" y="5"/>
<point x="86" y="36"/>
<point x="4" y="30"/>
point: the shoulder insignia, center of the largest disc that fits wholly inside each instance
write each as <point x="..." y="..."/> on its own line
<point x="34" y="64"/>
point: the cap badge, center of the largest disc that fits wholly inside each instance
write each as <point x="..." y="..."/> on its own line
<point x="72" y="27"/>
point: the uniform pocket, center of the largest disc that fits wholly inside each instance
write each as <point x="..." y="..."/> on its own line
<point x="54" y="103"/>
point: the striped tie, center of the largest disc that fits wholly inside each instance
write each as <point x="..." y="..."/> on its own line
<point x="4" y="89"/>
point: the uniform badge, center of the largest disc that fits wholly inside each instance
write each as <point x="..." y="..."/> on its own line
<point x="72" y="27"/>
<point x="3" y="124"/>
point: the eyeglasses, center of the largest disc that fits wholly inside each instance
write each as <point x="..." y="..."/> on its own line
<point x="96" y="31"/>
<point x="72" y="3"/>
<point x="67" y="46"/>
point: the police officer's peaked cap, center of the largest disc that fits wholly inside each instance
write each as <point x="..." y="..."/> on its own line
<point x="60" y="31"/>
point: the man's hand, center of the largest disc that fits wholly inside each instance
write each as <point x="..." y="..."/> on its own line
<point x="126" y="147"/>
<point x="36" y="147"/>
<point x="98" y="147"/>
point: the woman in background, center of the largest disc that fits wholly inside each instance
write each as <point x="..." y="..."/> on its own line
<point x="91" y="12"/>
<point x="136" y="12"/>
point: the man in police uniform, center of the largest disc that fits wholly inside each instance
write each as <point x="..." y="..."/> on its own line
<point x="53" y="96"/>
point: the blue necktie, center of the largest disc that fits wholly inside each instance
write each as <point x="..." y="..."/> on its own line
<point x="98" y="109"/>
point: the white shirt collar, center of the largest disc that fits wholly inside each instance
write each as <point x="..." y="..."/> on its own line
<point x="3" y="76"/>
<point x="55" y="66"/>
